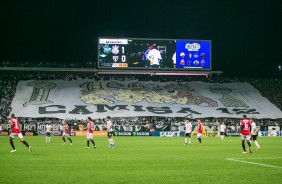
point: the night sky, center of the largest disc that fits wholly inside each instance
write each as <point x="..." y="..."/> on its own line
<point x="246" y="34"/>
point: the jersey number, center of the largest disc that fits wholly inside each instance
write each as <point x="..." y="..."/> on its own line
<point x="246" y="126"/>
<point x="16" y="126"/>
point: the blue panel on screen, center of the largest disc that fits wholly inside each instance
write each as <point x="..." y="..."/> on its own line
<point x="193" y="54"/>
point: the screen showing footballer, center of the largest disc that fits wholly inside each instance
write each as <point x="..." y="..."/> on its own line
<point x="137" y="53"/>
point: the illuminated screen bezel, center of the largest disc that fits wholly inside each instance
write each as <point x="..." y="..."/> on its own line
<point x="151" y="40"/>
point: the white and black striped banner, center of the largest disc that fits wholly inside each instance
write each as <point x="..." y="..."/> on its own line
<point x="98" y="99"/>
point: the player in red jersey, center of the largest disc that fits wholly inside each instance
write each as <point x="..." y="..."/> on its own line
<point x="66" y="133"/>
<point x="200" y="131"/>
<point x="245" y="125"/>
<point x="90" y="131"/>
<point x="16" y="131"/>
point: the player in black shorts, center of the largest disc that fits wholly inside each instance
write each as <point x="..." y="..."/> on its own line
<point x="254" y="133"/>
<point x="110" y="131"/>
<point x="188" y="131"/>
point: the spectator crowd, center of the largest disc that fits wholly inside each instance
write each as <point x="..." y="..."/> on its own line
<point x="269" y="87"/>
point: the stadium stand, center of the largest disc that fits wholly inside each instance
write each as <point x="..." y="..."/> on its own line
<point x="269" y="87"/>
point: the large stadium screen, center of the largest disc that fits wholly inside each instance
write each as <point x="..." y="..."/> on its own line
<point x="137" y="53"/>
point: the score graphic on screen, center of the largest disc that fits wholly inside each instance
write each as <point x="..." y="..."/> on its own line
<point x="136" y="53"/>
<point x="112" y="53"/>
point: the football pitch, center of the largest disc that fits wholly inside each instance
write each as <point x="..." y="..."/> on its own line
<point x="141" y="160"/>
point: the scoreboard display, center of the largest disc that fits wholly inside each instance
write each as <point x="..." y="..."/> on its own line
<point x="137" y="53"/>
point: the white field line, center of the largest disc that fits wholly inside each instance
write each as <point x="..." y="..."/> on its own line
<point x="254" y="163"/>
<point x="270" y="158"/>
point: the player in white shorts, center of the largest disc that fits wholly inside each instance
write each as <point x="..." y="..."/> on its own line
<point x="16" y="131"/>
<point x="90" y="131"/>
<point x="66" y="133"/>
<point x="200" y="131"/>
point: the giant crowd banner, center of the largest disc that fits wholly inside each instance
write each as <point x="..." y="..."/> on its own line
<point x="98" y="99"/>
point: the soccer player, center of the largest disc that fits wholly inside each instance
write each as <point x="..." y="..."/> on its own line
<point x="110" y="132"/>
<point x="200" y="131"/>
<point x="66" y="133"/>
<point x="254" y="132"/>
<point x="16" y="131"/>
<point x="188" y="131"/>
<point x="48" y="132"/>
<point x="222" y="130"/>
<point x="154" y="56"/>
<point x="245" y="125"/>
<point x="90" y="129"/>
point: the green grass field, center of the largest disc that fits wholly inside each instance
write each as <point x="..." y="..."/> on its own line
<point x="141" y="160"/>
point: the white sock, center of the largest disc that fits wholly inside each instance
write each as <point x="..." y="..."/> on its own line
<point x="256" y="143"/>
<point x="189" y="140"/>
<point x="49" y="139"/>
<point x="46" y="139"/>
<point x="112" y="140"/>
<point x="185" y="140"/>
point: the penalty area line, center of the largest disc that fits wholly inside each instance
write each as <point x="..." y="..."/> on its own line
<point x="254" y="163"/>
